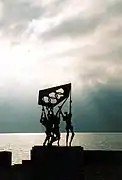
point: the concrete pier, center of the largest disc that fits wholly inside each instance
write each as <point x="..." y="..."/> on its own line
<point x="56" y="162"/>
<point x="59" y="163"/>
<point x="5" y="159"/>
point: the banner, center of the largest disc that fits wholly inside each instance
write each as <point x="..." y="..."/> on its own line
<point x="53" y="96"/>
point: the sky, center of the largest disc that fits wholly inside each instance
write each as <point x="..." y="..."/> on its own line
<point x="45" y="43"/>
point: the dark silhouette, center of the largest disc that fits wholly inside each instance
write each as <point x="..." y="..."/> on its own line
<point x="55" y="130"/>
<point x="49" y="99"/>
<point x="71" y="163"/>
<point x="63" y="163"/>
<point x="51" y="122"/>
<point x="47" y="122"/>
<point x="67" y="118"/>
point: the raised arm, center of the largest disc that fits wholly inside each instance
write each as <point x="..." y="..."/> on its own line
<point x="60" y="112"/>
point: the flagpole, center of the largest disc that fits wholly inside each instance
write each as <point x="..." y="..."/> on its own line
<point x="70" y="103"/>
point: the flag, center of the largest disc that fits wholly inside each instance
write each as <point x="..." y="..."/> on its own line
<point x="53" y="96"/>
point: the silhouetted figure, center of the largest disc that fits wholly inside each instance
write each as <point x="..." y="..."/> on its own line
<point x="67" y="118"/>
<point x="44" y="122"/>
<point x="47" y="123"/>
<point x="59" y="94"/>
<point x="49" y="130"/>
<point x="55" y="130"/>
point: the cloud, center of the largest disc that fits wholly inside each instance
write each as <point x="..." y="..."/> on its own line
<point x="83" y="24"/>
<point x="98" y="110"/>
<point x="115" y="8"/>
<point x="16" y="16"/>
<point x="45" y="43"/>
<point x="77" y="26"/>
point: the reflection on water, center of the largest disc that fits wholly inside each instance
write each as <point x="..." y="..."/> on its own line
<point x="21" y="144"/>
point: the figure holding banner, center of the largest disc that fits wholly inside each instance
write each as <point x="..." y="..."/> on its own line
<point x="67" y="118"/>
<point x="50" y="98"/>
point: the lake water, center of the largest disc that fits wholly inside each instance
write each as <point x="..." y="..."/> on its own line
<point x="21" y="144"/>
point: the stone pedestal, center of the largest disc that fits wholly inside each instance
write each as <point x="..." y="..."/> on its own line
<point x="57" y="162"/>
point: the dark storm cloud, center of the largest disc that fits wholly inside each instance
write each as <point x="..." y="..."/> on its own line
<point x="18" y="14"/>
<point x="98" y="106"/>
<point x="97" y="109"/>
<point x="100" y="111"/>
<point x="18" y="116"/>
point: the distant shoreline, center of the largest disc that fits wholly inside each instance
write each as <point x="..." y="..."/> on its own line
<point x="42" y="133"/>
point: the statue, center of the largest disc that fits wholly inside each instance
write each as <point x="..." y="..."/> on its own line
<point x="67" y="118"/>
<point x="50" y="118"/>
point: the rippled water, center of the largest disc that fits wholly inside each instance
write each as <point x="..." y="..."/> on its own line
<point x="21" y="144"/>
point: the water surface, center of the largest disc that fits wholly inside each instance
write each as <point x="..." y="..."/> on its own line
<point x="20" y="144"/>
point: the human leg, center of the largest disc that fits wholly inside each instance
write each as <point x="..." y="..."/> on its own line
<point x="72" y="136"/>
<point x="46" y="139"/>
<point x="67" y="136"/>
